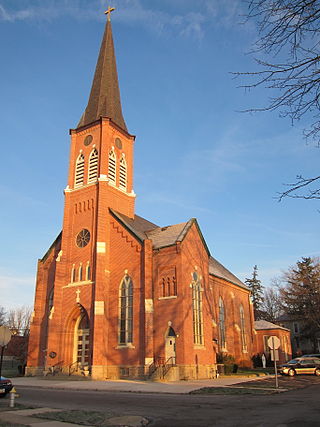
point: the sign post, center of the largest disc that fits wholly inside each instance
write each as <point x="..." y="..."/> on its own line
<point x="5" y="337"/>
<point x="274" y="344"/>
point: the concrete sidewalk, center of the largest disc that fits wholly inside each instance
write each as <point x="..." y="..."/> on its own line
<point x="128" y="385"/>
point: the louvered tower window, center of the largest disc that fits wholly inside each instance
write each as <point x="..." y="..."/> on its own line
<point x="93" y="166"/>
<point x="112" y="167"/>
<point x="79" y="175"/>
<point x="123" y="174"/>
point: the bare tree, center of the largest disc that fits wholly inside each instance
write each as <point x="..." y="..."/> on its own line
<point x="271" y="306"/>
<point x="18" y="320"/>
<point x="2" y="316"/>
<point x="289" y="30"/>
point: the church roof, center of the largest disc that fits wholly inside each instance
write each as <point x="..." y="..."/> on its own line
<point x="264" y="324"/>
<point x="218" y="270"/>
<point x="138" y="226"/>
<point x="104" y="99"/>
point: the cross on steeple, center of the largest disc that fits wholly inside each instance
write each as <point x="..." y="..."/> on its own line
<point x="108" y="12"/>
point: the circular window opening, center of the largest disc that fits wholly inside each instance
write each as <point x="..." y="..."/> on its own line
<point x="88" y="140"/>
<point x="83" y="238"/>
<point x="118" y="143"/>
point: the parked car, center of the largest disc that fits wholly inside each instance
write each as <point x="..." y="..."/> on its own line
<point x="5" y="386"/>
<point x="301" y="365"/>
<point x="312" y="355"/>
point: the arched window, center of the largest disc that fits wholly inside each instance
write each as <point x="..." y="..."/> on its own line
<point x="80" y="273"/>
<point x="50" y="300"/>
<point x="222" y="324"/>
<point x="73" y="274"/>
<point x="125" y="310"/>
<point x="79" y="175"/>
<point x="243" y="330"/>
<point x="88" y="271"/>
<point x="197" y="310"/>
<point x="93" y="166"/>
<point x="123" y="174"/>
<point x="112" y="167"/>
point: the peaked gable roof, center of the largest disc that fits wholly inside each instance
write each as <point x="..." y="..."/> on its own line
<point x="264" y="324"/>
<point x="218" y="270"/>
<point x="104" y="99"/>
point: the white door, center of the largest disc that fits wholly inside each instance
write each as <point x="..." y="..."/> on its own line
<point x="171" y="349"/>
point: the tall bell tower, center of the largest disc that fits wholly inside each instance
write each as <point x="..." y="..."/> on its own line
<point x="100" y="178"/>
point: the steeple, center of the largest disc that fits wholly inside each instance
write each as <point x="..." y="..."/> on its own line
<point x="104" y="97"/>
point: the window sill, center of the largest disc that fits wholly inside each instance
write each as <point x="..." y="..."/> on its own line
<point x="169" y="297"/>
<point x="199" y="347"/>
<point x="83" y="282"/>
<point x="123" y="346"/>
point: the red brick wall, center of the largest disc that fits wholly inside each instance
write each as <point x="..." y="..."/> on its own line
<point x="285" y="351"/>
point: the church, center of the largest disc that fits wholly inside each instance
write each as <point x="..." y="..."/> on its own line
<point x="118" y="296"/>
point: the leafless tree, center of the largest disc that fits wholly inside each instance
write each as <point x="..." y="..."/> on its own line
<point x="289" y="32"/>
<point x="2" y="316"/>
<point x="272" y="306"/>
<point x="18" y="320"/>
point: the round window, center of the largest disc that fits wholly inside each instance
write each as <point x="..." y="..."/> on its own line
<point x="83" y="238"/>
<point x="88" y="140"/>
<point x="118" y="143"/>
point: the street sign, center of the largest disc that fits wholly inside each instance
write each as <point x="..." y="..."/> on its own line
<point x="5" y="335"/>
<point x="273" y="342"/>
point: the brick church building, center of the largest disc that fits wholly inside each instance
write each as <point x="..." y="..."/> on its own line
<point x="117" y="295"/>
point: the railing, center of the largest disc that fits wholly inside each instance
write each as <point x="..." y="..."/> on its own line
<point x="55" y="369"/>
<point x="167" y="366"/>
<point x="162" y="366"/>
<point x="73" y="367"/>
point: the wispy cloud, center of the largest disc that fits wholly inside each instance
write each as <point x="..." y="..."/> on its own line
<point x="16" y="290"/>
<point x="188" y="21"/>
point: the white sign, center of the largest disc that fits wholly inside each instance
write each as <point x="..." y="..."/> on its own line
<point x="5" y="335"/>
<point x="273" y="342"/>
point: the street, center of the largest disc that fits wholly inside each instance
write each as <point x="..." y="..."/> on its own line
<point x="297" y="408"/>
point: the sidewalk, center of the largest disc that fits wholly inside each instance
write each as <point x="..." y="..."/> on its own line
<point x="129" y="385"/>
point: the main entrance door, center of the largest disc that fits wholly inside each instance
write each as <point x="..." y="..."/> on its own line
<point x="82" y="334"/>
<point x="171" y="346"/>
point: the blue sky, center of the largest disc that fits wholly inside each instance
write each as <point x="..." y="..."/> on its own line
<point x="196" y="155"/>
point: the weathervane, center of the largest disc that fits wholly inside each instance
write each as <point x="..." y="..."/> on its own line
<point x="108" y="12"/>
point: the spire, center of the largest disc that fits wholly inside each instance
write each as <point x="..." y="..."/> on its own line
<point x="104" y="97"/>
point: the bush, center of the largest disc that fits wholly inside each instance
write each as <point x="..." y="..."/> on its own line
<point x="228" y="361"/>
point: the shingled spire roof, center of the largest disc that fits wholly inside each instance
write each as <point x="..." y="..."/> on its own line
<point x="104" y="97"/>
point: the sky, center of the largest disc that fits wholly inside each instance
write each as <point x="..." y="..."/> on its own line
<point x="196" y="153"/>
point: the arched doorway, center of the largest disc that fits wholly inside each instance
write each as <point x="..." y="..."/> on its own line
<point x="170" y="346"/>
<point x="81" y="347"/>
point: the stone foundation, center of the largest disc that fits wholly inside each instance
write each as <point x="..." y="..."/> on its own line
<point x="34" y="371"/>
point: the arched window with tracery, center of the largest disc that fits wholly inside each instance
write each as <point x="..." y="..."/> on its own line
<point x="123" y="174"/>
<point x="126" y="311"/>
<point x="222" y="324"/>
<point x="79" y="174"/>
<point x="93" y="166"/>
<point x="243" y="330"/>
<point x="197" y="310"/>
<point x="112" y="168"/>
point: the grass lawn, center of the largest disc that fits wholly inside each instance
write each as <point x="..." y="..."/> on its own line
<point x="231" y="390"/>
<point x="86" y="418"/>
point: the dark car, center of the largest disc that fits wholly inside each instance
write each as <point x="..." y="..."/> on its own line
<point x="301" y="365"/>
<point x="5" y="386"/>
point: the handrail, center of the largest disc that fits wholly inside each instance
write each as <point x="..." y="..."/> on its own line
<point x="168" y="365"/>
<point x="73" y="367"/>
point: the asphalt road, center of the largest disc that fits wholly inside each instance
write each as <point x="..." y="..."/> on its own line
<point x="298" y="408"/>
